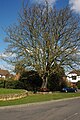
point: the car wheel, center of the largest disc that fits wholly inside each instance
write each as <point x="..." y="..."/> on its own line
<point x="66" y="91"/>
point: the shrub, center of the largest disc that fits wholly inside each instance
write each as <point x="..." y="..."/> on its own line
<point x="11" y="84"/>
<point x="1" y="83"/>
<point x="56" y="82"/>
<point x="31" y="80"/>
<point x="78" y="84"/>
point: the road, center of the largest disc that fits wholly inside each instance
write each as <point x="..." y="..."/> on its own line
<point x="54" y="110"/>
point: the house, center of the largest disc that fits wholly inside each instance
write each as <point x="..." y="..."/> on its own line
<point x="73" y="76"/>
<point x="4" y="73"/>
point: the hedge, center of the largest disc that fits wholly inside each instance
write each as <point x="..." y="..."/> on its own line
<point x="11" y="84"/>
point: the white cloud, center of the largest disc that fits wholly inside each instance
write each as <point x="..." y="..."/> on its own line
<point x="5" y="55"/>
<point x="51" y="2"/>
<point x="3" y="64"/>
<point x="75" y="5"/>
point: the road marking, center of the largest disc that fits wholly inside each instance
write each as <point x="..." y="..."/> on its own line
<point x="71" y="116"/>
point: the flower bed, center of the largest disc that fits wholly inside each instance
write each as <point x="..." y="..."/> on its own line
<point x="13" y="96"/>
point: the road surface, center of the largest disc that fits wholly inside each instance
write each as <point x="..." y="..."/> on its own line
<point x="54" y="110"/>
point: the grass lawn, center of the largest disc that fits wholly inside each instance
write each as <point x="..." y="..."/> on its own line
<point x="32" y="98"/>
<point x="10" y="91"/>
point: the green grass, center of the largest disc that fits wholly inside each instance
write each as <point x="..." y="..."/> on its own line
<point x="10" y="91"/>
<point x="39" y="98"/>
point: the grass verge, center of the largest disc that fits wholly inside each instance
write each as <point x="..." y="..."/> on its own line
<point x="39" y="98"/>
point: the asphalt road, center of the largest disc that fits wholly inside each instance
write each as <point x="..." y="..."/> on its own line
<point x="59" y="110"/>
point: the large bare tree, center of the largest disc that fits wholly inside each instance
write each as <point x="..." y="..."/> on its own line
<point x="44" y="39"/>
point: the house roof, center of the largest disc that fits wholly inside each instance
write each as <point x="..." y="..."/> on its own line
<point x="76" y="72"/>
<point x="4" y="72"/>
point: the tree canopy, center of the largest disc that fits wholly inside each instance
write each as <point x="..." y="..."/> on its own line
<point x="44" y="38"/>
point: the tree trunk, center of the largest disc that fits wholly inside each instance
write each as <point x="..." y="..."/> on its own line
<point x="45" y="80"/>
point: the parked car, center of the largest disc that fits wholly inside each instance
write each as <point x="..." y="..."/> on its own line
<point x="69" y="89"/>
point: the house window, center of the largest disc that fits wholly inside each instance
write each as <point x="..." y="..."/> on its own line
<point x="73" y="77"/>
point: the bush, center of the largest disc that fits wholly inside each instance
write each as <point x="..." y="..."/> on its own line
<point x="31" y="80"/>
<point x="78" y="84"/>
<point x="1" y="83"/>
<point x="11" y="84"/>
<point x="56" y="82"/>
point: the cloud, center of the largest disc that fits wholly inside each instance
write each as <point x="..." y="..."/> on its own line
<point x="51" y="2"/>
<point x="5" y="55"/>
<point x="3" y="64"/>
<point x="75" y="5"/>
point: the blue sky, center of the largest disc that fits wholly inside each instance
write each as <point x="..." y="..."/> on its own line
<point x="8" y="15"/>
<point x="9" y="10"/>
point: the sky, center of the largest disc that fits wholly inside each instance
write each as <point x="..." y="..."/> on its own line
<point x="9" y="12"/>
